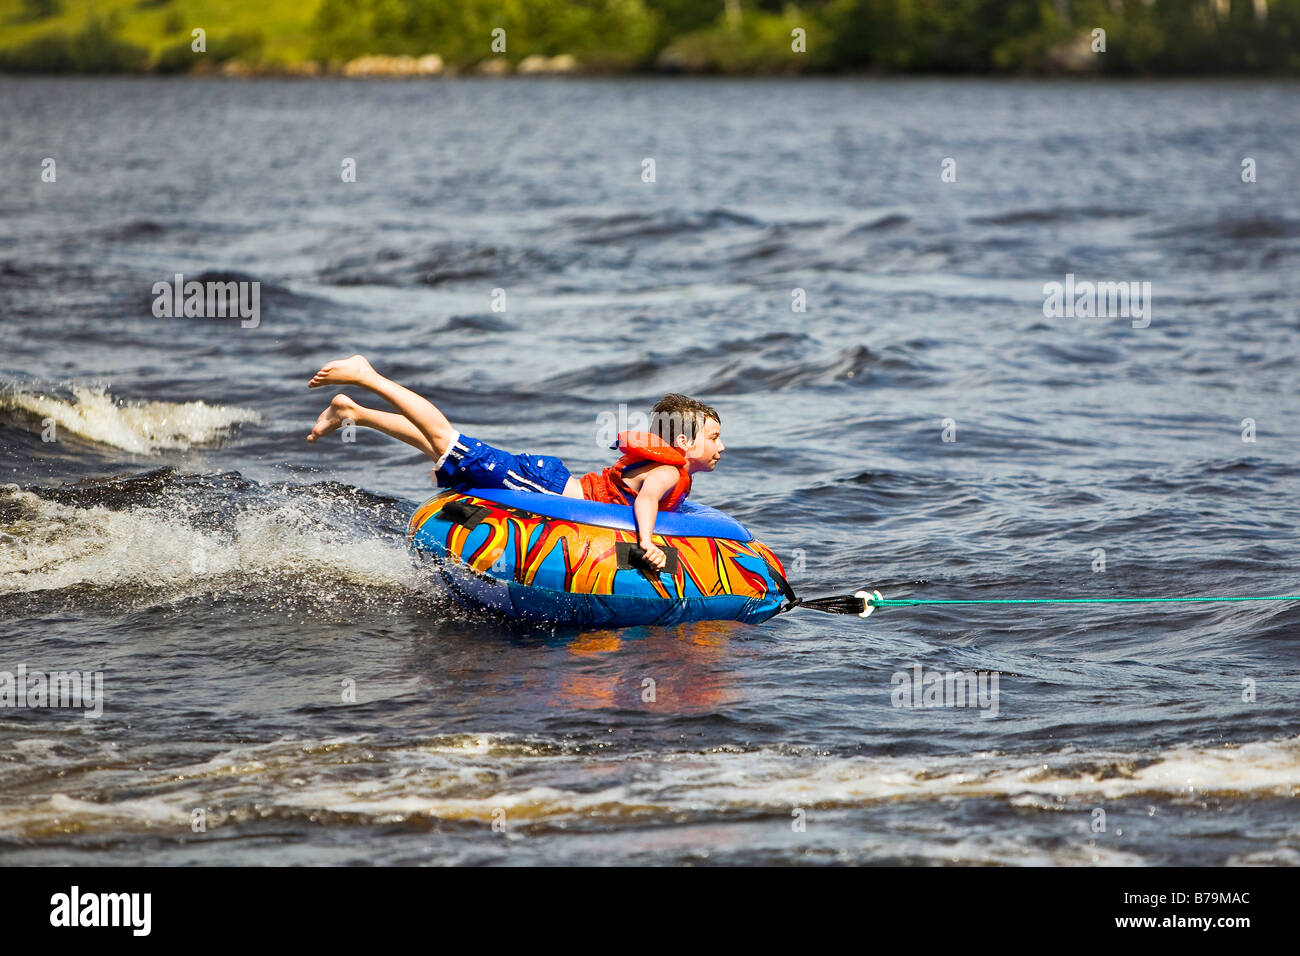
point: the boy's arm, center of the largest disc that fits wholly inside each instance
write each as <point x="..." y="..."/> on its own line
<point x="658" y="481"/>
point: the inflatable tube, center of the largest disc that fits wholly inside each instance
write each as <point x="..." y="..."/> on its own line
<point x="548" y="558"/>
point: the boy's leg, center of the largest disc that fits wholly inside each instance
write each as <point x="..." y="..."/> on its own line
<point x="343" y="409"/>
<point x="421" y="412"/>
<point x="422" y="419"/>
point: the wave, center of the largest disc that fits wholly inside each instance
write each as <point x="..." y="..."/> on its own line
<point x="442" y="263"/>
<point x="1232" y="476"/>
<point x="603" y="373"/>
<point x="272" y="293"/>
<point x="132" y="230"/>
<point x="889" y="221"/>
<point x="177" y="536"/>
<point x="1232" y="226"/>
<point x="142" y="427"/>
<point x="653" y="225"/>
<point x="469" y="778"/>
<point x="9" y="271"/>
<point x="775" y="343"/>
<point x="854" y="365"/>
<point x="1052" y="214"/>
<point x="475" y="323"/>
<point x="1078" y="353"/>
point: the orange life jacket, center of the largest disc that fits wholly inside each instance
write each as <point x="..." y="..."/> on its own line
<point x="609" y="487"/>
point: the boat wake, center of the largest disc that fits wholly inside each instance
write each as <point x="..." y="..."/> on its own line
<point x="140" y="427"/>
<point x="164" y="536"/>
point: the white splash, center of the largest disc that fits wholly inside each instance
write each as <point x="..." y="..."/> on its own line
<point x="141" y="427"/>
<point x="46" y="545"/>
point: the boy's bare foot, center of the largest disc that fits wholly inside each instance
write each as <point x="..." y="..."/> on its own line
<point x="348" y="371"/>
<point x="341" y="409"/>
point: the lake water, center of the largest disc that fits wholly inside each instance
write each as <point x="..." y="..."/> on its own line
<point x="232" y="583"/>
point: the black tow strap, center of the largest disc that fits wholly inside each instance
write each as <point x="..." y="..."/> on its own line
<point x="834" y="604"/>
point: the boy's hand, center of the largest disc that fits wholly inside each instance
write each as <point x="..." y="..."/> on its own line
<point x="646" y="507"/>
<point x="654" y="554"/>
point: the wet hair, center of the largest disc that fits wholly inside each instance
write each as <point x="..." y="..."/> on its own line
<point x="676" y="414"/>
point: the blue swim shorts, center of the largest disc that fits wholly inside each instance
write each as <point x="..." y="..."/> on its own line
<point x="470" y="463"/>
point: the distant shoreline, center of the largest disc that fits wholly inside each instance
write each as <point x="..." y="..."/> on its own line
<point x="262" y="73"/>
<point x="416" y="39"/>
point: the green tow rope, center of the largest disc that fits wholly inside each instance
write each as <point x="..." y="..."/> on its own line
<point x="904" y="602"/>
<point x="870" y="600"/>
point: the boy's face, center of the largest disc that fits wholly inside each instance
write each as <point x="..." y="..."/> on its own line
<point x="703" y="454"/>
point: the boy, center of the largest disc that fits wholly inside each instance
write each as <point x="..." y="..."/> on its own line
<point x="654" y="474"/>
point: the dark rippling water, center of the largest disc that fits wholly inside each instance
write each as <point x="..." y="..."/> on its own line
<point x="227" y="578"/>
